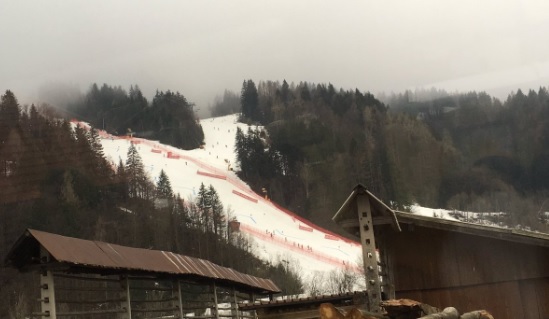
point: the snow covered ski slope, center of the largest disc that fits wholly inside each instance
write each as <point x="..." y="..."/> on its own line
<point x="277" y="234"/>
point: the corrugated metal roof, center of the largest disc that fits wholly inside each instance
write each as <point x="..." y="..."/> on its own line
<point x="95" y="254"/>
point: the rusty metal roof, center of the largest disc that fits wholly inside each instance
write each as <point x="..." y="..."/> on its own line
<point x="101" y="255"/>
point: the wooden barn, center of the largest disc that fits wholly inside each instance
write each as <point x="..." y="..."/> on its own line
<point x="450" y="263"/>
<point x="91" y="279"/>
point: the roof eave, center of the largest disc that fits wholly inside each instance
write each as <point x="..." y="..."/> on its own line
<point x="381" y="206"/>
<point x="508" y="234"/>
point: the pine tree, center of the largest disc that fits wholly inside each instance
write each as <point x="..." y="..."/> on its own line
<point x="216" y="210"/>
<point x="121" y="187"/>
<point x="285" y="93"/>
<point x="163" y="186"/>
<point x="84" y="153"/>
<point x="249" y="101"/>
<point x="241" y="149"/>
<point x="203" y="204"/>
<point x="135" y="174"/>
<point x="9" y="114"/>
<point x="101" y="167"/>
<point x="304" y="93"/>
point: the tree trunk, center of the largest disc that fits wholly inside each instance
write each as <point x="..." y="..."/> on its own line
<point x="447" y="313"/>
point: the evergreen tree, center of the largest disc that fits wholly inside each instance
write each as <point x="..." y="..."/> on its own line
<point x="249" y="101"/>
<point x="203" y="204"/>
<point x="216" y="210"/>
<point x="135" y="174"/>
<point x="163" y="186"/>
<point x="285" y="93"/>
<point x="101" y="167"/>
<point x="9" y="114"/>
<point x="85" y="154"/>
<point x="305" y="94"/>
<point x="241" y="149"/>
<point x="121" y="181"/>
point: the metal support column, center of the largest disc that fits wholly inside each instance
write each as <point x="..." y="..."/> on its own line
<point x="369" y="255"/>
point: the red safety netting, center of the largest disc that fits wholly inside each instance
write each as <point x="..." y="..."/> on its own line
<point x="243" y="189"/>
<point x="295" y="246"/>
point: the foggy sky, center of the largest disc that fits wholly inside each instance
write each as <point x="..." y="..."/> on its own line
<point x="200" y="48"/>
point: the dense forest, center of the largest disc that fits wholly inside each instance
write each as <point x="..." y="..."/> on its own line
<point x="55" y="178"/>
<point x="169" y="118"/>
<point x="462" y="151"/>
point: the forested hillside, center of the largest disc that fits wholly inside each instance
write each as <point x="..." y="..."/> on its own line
<point x="461" y="151"/>
<point x="169" y="118"/>
<point x="54" y="178"/>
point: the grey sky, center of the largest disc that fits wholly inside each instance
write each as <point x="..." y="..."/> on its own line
<point x="202" y="47"/>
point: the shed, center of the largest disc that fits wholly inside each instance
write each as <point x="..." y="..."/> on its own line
<point x="128" y="281"/>
<point x="468" y="266"/>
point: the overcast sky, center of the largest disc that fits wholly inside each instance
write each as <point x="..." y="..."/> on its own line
<point x="202" y="47"/>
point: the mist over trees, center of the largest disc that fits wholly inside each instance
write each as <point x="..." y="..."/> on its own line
<point x="169" y="118"/>
<point x="227" y="104"/>
<point x="464" y="151"/>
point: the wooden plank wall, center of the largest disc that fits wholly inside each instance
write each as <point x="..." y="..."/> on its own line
<point x="443" y="268"/>
<point x="528" y="299"/>
<point x="428" y="258"/>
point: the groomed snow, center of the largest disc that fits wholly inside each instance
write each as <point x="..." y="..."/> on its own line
<point x="276" y="234"/>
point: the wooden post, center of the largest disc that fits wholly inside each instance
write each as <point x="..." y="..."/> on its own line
<point x="178" y="298"/>
<point x="369" y="255"/>
<point x="234" y="311"/>
<point x="126" y="303"/>
<point x="215" y="301"/>
<point x="386" y="268"/>
<point x="252" y="299"/>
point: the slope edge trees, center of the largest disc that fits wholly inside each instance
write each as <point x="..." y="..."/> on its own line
<point x="169" y="118"/>
<point x="315" y="138"/>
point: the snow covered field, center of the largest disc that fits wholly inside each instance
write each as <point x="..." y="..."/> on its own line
<point x="277" y="234"/>
<point x="483" y="218"/>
